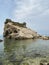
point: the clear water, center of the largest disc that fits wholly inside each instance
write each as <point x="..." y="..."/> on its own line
<point x="12" y="52"/>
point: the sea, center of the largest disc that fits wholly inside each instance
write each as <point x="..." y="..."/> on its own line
<point x="23" y="52"/>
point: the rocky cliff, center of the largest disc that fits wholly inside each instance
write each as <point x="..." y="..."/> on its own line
<point x="15" y="30"/>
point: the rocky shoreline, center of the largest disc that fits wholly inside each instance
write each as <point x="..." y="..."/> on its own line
<point x="44" y="37"/>
<point x="19" y="31"/>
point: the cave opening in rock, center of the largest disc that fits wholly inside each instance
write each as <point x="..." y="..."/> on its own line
<point x="6" y="33"/>
<point x="15" y="31"/>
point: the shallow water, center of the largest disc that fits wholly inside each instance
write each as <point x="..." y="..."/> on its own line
<point x="13" y="52"/>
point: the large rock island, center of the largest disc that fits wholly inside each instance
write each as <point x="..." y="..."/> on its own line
<point x="15" y="30"/>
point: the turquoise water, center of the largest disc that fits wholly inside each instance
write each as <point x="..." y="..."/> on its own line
<point x="13" y="52"/>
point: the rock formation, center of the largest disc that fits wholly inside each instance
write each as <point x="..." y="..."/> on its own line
<point x="45" y="38"/>
<point x="15" y="30"/>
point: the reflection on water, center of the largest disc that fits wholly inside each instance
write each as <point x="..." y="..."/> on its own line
<point x="13" y="52"/>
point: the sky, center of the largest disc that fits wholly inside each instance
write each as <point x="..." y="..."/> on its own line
<point x="34" y="12"/>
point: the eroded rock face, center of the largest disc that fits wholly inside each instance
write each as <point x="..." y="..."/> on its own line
<point x="18" y="30"/>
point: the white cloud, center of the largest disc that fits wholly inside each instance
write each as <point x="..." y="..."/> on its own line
<point x="26" y="7"/>
<point x="46" y="12"/>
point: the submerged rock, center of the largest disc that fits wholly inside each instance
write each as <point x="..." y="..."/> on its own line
<point x="47" y="63"/>
<point x="27" y="61"/>
<point x="15" y="30"/>
<point x="7" y="62"/>
<point x="43" y="62"/>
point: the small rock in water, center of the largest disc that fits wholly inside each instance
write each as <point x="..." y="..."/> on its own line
<point x="47" y="63"/>
<point x="1" y="40"/>
<point x="41" y="63"/>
